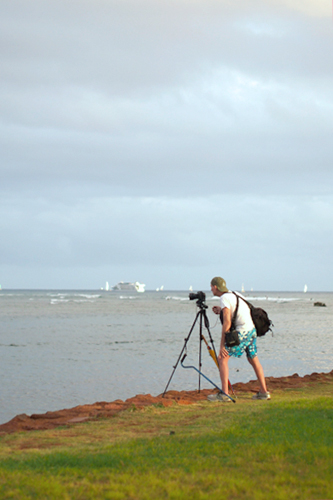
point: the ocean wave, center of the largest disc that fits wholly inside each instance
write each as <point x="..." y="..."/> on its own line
<point x="273" y="299"/>
<point x="176" y="298"/>
<point x="266" y="298"/>
<point x="58" y="301"/>
<point x="72" y="297"/>
<point x="89" y="296"/>
<point x="80" y="301"/>
<point x="57" y="294"/>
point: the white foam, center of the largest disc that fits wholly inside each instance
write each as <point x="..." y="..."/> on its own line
<point x="176" y="298"/>
<point x="88" y="296"/>
<point x="273" y="299"/>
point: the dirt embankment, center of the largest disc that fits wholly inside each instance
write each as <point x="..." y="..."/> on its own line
<point x="104" y="409"/>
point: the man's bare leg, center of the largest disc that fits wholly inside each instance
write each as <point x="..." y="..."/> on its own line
<point x="224" y="373"/>
<point x="256" y="365"/>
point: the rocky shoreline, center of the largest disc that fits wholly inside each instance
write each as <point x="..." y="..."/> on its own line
<point x="103" y="409"/>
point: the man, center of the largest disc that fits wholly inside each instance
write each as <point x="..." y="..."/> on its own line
<point x="247" y="336"/>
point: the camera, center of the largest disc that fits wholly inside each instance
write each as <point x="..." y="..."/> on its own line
<point x="199" y="296"/>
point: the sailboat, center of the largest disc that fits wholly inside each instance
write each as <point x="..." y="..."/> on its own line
<point x="305" y="288"/>
<point x="107" y="287"/>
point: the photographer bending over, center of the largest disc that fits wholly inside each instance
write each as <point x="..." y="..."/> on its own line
<point x="247" y="335"/>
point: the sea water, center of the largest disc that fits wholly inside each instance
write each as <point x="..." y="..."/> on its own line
<point x="60" y="349"/>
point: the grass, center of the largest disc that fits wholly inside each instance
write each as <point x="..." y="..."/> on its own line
<point x="278" y="449"/>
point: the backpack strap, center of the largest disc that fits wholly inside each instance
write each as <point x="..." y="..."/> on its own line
<point x="250" y="306"/>
<point x="233" y="326"/>
<point x="246" y="302"/>
<point x="234" y="315"/>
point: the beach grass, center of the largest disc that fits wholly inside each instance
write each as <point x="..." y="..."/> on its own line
<point x="280" y="449"/>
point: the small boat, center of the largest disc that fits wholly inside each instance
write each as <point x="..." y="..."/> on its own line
<point x="305" y="288"/>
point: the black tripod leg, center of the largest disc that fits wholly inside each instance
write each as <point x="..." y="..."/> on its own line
<point x="200" y="344"/>
<point x="180" y="355"/>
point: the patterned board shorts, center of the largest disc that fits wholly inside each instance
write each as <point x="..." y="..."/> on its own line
<point x="248" y="344"/>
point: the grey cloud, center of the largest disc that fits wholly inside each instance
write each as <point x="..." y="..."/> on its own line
<point x="124" y="46"/>
<point x="156" y="230"/>
<point x="189" y="128"/>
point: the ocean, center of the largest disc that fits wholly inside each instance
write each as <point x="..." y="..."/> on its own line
<point x="60" y="349"/>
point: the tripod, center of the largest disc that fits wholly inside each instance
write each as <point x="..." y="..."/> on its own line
<point x="203" y="319"/>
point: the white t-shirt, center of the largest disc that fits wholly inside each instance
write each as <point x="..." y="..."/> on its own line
<point x="243" y="321"/>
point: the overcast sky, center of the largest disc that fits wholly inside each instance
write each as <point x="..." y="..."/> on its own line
<point x="166" y="141"/>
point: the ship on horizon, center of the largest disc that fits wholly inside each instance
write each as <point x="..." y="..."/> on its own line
<point x="128" y="286"/>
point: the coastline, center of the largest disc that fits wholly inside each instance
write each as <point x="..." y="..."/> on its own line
<point x="83" y="413"/>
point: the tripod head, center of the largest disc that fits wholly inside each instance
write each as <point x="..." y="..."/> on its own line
<point x="202" y="305"/>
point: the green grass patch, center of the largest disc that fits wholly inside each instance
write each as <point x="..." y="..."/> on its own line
<point x="278" y="449"/>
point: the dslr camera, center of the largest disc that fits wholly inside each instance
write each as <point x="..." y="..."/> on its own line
<point x="199" y="296"/>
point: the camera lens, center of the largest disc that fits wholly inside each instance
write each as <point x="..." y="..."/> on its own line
<point x="200" y="296"/>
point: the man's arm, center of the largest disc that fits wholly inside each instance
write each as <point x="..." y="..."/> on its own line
<point x="225" y="328"/>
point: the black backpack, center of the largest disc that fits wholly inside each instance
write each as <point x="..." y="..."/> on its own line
<point x="260" y="318"/>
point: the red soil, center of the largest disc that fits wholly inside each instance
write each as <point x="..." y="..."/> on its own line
<point x="103" y="409"/>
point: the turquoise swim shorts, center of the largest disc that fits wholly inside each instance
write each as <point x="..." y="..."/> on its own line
<point x="248" y="344"/>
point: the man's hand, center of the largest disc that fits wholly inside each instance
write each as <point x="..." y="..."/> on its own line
<point x="223" y="353"/>
<point x="216" y="309"/>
